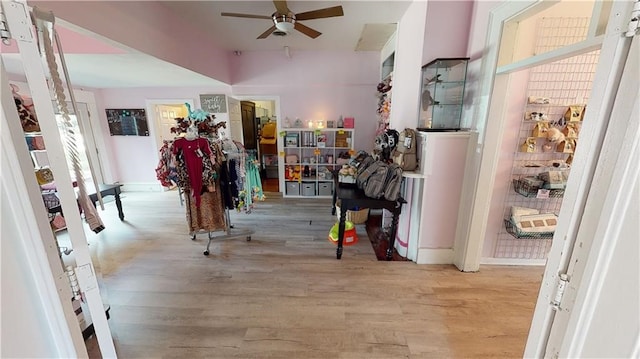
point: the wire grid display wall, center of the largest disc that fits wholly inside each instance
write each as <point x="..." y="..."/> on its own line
<point x="563" y="83"/>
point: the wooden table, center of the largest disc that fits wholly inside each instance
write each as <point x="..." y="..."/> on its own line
<point x="350" y="197"/>
<point x="108" y="190"/>
<point x="105" y="190"/>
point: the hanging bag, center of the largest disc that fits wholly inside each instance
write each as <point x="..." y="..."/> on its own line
<point x="404" y="155"/>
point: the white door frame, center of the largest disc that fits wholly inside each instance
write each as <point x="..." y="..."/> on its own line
<point x="591" y="235"/>
<point x="469" y="245"/>
<point x="275" y="99"/>
<point x="586" y="159"/>
<point x="280" y="146"/>
<point x="94" y="138"/>
<point x="469" y="256"/>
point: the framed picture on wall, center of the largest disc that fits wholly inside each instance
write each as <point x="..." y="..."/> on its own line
<point x="213" y="103"/>
<point x="291" y="140"/>
<point x="127" y="122"/>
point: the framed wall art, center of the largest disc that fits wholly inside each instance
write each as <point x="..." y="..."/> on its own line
<point x="213" y="103"/>
<point x="291" y="140"/>
<point x="127" y="122"/>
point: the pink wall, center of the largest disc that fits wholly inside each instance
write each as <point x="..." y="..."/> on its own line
<point x="149" y="27"/>
<point x="446" y="33"/>
<point x="315" y="85"/>
<point x="428" y="30"/>
<point x="310" y="85"/>
<point x="133" y="159"/>
<point x="405" y="90"/>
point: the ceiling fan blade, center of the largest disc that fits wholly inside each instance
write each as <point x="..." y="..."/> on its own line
<point x="320" y="13"/>
<point x="267" y="33"/>
<point x="246" y="15"/>
<point x="307" y="30"/>
<point x="281" y="7"/>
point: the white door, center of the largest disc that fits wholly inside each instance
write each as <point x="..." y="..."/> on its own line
<point x="85" y="143"/>
<point x="597" y="316"/>
<point x="166" y="116"/>
<point x="235" y="120"/>
<point x="162" y="114"/>
<point x="88" y="134"/>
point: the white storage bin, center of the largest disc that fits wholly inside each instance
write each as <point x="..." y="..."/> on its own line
<point x="292" y="188"/>
<point x="308" y="189"/>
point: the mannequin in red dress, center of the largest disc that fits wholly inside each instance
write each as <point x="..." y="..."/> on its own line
<point x="194" y="149"/>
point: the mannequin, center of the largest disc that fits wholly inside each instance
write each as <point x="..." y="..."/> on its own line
<point x="193" y="149"/>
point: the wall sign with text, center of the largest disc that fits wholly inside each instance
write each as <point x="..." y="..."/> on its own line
<point x="213" y="103"/>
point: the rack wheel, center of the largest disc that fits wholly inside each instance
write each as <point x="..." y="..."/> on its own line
<point x="248" y="238"/>
<point x="206" y="253"/>
<point x="193" y="237"/>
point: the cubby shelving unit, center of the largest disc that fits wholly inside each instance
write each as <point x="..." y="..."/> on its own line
<point x="310" y="157"/>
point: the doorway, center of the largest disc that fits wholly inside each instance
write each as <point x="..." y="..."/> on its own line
<point x="539" y="139"/>
<point x="259" y="133"/>
<point x="164" y="114"/>
<point x="249" y="125"/>
<point x="582" y="186"/>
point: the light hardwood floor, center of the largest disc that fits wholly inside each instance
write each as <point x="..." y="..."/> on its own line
<point x="284" y="294"/>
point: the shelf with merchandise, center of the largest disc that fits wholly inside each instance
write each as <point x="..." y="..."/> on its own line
<point x="513" y="230"/>
<point x="442" y="92"/>
<point x="317" y="150"/>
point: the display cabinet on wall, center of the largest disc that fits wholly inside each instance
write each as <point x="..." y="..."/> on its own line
<point x="310" y="156"/>
<point x="442" y="92"/>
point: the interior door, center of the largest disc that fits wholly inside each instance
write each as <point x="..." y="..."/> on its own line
<point x="599" y="311"/>
<point x="235" y="120"/>
<point x="88" y="155"/>
<point x="166" y="116"/>
<point x="249" y="126"/>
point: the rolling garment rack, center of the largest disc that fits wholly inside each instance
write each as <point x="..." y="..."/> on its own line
<point x="232" y="182"/>
<point x="198" y="158"/>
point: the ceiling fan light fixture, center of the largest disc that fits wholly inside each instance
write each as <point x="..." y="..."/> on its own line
<point x="284" y="23"/>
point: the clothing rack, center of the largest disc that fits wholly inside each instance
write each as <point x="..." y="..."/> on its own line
<point x="231" y="151"/>
<point x="195" y="160"/>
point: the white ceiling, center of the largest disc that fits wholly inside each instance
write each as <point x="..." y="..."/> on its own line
<point x="366" y="25"/>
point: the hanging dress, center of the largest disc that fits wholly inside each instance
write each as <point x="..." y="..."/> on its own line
<point x="196" y="167"/>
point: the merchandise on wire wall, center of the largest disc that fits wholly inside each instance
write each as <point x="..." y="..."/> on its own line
<point x="554" y="102"/>
<point x="540" y="129"/>
<point x="575" y="113"/>
<point x="571" y="130"/>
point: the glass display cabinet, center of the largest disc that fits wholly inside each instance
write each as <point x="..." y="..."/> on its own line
<point x="442" y="92"/>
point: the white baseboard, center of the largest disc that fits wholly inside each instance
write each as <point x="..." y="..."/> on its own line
<point x="142" y="187"/>
<point x="513" y="261"/>
<point x="435" y="256"/>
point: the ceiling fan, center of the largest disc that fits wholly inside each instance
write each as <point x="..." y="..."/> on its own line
<point x="284" y="20"/>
